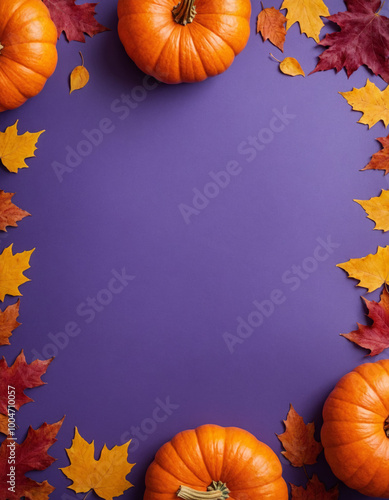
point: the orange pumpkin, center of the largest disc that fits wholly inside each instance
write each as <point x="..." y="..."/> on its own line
<point x="28" y="54"/>
<point x="187" y="42"/>
<point x="355" y="432"/>
<point x="213" y="462"/>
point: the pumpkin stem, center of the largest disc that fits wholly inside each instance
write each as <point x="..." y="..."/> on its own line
<point x="216" y="491"/>
<point x="386" y="426"/>
<point x="184" y="12"/>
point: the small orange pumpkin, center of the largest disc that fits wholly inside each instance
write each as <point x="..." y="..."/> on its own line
<point x="213" y="462"/>
<point x="355" y="432"/>
<point x="187" y="42"/>
<point x="28" y="54"/>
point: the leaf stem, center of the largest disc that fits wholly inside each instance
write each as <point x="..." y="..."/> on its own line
<point x="275" y="58"/>
<point x="89" y="490"/>
<point x="305" y="471"/>
<point x="383" y="3"/>
<point x="82" y="61"/>
<point x="262" y="5"/>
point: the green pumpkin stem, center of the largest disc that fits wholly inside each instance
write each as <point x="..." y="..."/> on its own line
<point x="216" y="491"/>
<point x="386" y="427"/>
<point x="184" y="12"/>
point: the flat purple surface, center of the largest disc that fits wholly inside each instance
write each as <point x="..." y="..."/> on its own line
<point x="192" y="267"/>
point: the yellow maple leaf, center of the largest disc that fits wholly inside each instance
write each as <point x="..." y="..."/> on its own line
<point x="106" y="476"/>
<point x="372" y="271"/>
<point x="14" y="148"/>
<point x="307" y="13"/>
<point x="377" y="210"/>
<point x="371" y="101"/>
<point x="11" y="271"/>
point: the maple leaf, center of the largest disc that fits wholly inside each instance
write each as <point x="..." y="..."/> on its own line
<point x="301" y="447"/>
<point x="371" y="101"/>
<point x="377" y="210"/>
<point x="271" y="25"/>
<point x="8" y="322"/>
<point x="315" y="490"/>
<point x="372" y="271"/>
<point x="10" y="214"/>
<point x="307" y="13"/>
<point x="380" y="160"/>
<point x="74" y="20"/>
<point x="20" y="376"/>
<point x="363" y="39"/>
<point x="375" y="338"/>
<point x="106" y="476"/>
<point x="14" y="148"/>
<point x="30" y="455"/>
<point x="11" y="271"/>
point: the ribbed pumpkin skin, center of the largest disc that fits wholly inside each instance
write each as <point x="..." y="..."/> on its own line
<point x="29" y="56"/>
<point x="195" y="458"/>
<point x="174" y="53"/>
<point x="355" y="444"/>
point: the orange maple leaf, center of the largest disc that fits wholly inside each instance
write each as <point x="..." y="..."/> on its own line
<point x="380" y="160"/>
<point x="301" y="447"/>
<point x="11" y="271"/>
<point x="10" y="214"/>
<point x="271" y="25"/>
<point x="315" y="490"/>
<point x="8" y="322"/>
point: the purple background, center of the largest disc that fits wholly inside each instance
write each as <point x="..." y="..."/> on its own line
<point x="161" y="337"/>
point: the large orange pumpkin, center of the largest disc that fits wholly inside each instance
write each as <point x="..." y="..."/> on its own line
<point x="355" y="432"/>
<point x="213" y="462"/>
<point x="28" y="54"/>
<point x="187" y="42"/>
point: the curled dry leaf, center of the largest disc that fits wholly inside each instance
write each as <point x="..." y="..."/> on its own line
<point x="271" y="25"/>
<point x="371" y="101"/>
<point x="14" y="148"/>
<point x="375" y="337"/>
<point x="377" y="210"/>
<point x="301" y="447"/>
<point x="79" y="77"/>
<point x="290" y="66"/>
<point x="372" y="271"/>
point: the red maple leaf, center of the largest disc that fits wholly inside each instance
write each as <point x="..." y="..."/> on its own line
<point x="20" y="376"/>
<point x="30" y="455"/>
<point x="315" y="490"/>
<point x="74" y="20"/>
<point x="376" y="336"/>
<point x="363" y="39"/>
